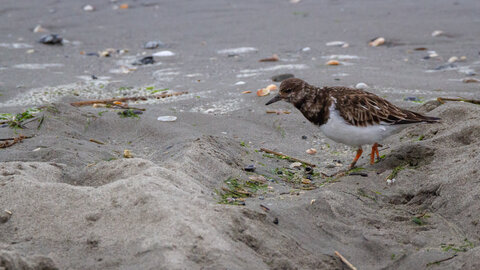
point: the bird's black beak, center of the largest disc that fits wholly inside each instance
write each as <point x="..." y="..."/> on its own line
<point x="274" y="99"/>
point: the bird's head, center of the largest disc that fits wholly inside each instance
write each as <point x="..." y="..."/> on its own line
<point x="290" y="91"/>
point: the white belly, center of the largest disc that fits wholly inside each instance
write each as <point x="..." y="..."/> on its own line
<point x="338" y="130"/>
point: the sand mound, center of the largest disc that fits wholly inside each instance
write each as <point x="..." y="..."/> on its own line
<point x="160" y="210"/>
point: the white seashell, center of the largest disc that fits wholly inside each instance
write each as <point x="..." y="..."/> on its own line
<point x="437" y="33"/>
<point x="167" y="118"/>
<point x="164" y="53"/>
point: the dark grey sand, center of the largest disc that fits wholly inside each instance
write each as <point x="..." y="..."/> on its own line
<point x="69" y="203"/>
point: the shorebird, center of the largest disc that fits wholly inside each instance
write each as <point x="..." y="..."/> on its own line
<point x="349" y="116"/>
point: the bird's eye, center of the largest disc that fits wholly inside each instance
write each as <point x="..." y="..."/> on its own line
<point x="288" y="90"/>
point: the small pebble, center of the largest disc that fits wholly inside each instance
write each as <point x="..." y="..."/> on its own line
<point x="249" y="168"/>
<point x="240" y="83"/>
<point x="153" y="44"/>
<point x="148" y="60"/>
<point x="275" y="221"/>
<point x="361" y="85"/>
<point x="311" y="151"/>
<point x="306" y="49"/>
<point x="312" y="201"/>
<point x="304" y="137"/>
<point x="411" y="99"/>
<point x="94" y="77"/>
<point x="281" y="77"/>
<point x="308" y="170"/>
<point x="51" y="39"/>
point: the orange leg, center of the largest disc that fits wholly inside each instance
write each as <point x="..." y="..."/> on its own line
<point x="359" y="153"/>
<point x="374" y="151"/>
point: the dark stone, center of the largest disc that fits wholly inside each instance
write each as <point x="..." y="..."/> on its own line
<point x="51" y="39"/>
<point x="275" y="221"/>
<point x="249" y="168"/>
<point x="94" y="77"/>
<point x="304" y="137"/>
<point x="411" y="99"/>
<point x="147" y="60"/>
<point x="281" y="77"/>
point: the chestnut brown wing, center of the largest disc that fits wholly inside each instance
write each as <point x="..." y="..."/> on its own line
<point x="361" y="108"/>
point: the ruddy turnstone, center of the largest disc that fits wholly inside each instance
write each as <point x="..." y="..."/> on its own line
<point x="349" y="116"/>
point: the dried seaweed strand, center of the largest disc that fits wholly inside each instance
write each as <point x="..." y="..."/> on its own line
<point x="11" y="141"/>
<point x="442" y="100"/>
<point x="442" y="260"/>
<point x="286" y="157"/>
<point x="111" y="100"/>
<point x="345" y="261"/>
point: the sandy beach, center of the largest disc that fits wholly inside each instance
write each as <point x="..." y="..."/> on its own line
<point x="187" y="181"/>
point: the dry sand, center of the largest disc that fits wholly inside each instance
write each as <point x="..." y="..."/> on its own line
<point x="69" y="203"/>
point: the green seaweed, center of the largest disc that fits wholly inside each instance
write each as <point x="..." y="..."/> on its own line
<point x="237" y="190"/>
<point x="395" y="172"/>
<point x="16" y="121"/>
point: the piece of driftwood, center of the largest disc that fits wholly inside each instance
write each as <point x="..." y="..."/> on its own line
<point x="278" y="112"/>
<point x="286" y="157"/>
<point x="474" y="101"/>
<point x="123" y="99"/>
<point x="345" y="261"/>
<point x="96" y="141"/>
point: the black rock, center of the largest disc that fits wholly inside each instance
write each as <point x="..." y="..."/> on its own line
<point x="275" y="221"/>
<point x="51" y="39"/>
<point x="411" y="99"/>
<point x="249" y="168"/>
<point x="281" y="77"/>
<point x="147" y="60"/>
<point x="153" y="44"/>
<point x="304" y="137"/>
<point x="308" y="170"/>
<point x="94" y="77"/>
